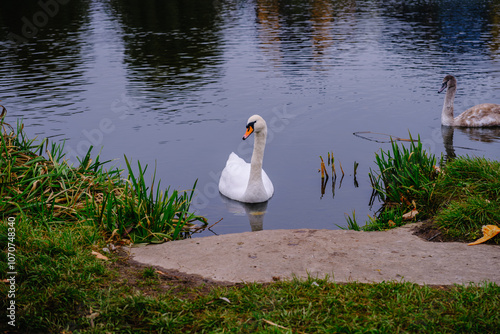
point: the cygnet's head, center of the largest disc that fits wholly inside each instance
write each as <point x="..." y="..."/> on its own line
<point x="255" y="124"/>
<point x="449" y="82"/>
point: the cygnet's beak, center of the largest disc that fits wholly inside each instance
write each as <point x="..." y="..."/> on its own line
<point x="443" y="87"/>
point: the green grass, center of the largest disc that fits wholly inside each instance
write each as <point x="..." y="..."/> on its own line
<point x="388" y="217"/>
<point x="405" y="181"/>
<point x="469" y="193"/>
<point x="64" y="214"/>
<point x="145" y="215"/>
<point x="460" y="197"/>
<point x="61" y="284"/>
<point x="405" y="175"/>
<point x="322" y="307"/>
<point x="51" y="192"/>
<point x="298" y="305"/>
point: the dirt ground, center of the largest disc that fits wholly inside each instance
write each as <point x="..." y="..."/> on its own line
<point x="402" y="254"/>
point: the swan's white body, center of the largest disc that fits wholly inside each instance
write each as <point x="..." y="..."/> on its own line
<point x="481" y="115"/>
<point x="248" y="182"/>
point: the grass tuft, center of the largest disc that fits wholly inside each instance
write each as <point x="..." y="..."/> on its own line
<point x="469" y="193"/>
<point x="50" y="192"/>
<point x="460" y="197"/>
<point x="405" y="175"/>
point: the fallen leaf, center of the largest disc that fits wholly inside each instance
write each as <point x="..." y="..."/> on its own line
<point x="93" y="315"/>
<point x="391" y="223"/>
<point x="99" y="255"/>
<point x="410" y="215"/>
<point x="489" y="231"/>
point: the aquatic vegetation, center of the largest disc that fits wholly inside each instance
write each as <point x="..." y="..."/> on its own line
<point x="47" y="190"/>
<point x="352" y="223"/>
<point x="325" y="176"/>
<point x="146" y="215"/>
<point x="460" y="196"/>
<point x="405" y="174"/>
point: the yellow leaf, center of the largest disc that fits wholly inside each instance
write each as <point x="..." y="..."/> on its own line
<point x="489" y="231"/>
<point x="410" y="215"/>
<point x="99" y="255"/>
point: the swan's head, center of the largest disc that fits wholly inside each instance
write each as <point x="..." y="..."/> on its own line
<point x="255" y="124"/>
<point x="449" y="82"/>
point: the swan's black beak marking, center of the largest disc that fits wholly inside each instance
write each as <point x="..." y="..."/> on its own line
<point x="250" y="129"/>
<point x="443" y="87"/>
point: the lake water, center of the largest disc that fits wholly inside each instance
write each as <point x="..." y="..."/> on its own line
<point x="172" y="83"/>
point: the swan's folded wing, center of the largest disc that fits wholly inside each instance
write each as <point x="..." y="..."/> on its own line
<point x="235" y="159"/>
<point x="234" y="178"/>
<point x="481" y="115"/>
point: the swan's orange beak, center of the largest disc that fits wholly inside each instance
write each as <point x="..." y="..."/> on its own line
<point x="248" y="132"/>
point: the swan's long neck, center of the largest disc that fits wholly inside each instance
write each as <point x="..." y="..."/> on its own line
<point x="447" y="113"/>
<point x="255" y="185"/>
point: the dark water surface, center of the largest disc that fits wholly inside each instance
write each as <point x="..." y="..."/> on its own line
<point x="173" y="83"/>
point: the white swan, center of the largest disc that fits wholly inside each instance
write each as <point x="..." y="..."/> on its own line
<point x="482" y="115"/>
<point x="248" y="182"/>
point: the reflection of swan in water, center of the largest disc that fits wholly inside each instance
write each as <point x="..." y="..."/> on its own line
<point x="482" y="115"/>
<point x="248" y="182"/>
<point x="254" y="211"/>
<point x="487" y="135"/>
<point x="447" y="134"/>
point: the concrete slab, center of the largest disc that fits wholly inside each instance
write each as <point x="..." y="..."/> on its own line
<point x="345" y="256"/>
